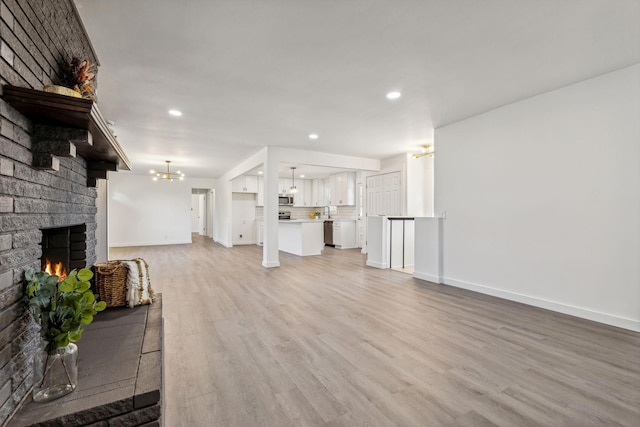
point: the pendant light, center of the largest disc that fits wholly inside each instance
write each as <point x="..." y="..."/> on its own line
<point x="426" y="151"/>
<point x="168" y="175"/>
<point x="293" y="189"/>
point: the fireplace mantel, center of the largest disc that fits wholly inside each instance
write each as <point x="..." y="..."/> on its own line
<point x="65" y="111"/>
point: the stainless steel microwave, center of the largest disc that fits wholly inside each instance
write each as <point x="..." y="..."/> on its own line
<point x="285" y="200"/>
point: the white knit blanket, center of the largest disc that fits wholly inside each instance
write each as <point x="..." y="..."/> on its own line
<point x="138" y="288"/>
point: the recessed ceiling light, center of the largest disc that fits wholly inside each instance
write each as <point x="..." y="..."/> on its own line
<point x="176" y="113"/>
<point x="259" y="172"/>
<point x="394" y="95"/>
<point x="301" y="176"/>
<point x="313" y="136"/>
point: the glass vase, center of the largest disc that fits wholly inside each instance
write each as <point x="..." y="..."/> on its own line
<point x="55" y="372"/>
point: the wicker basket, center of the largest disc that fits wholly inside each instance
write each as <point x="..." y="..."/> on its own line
<point x="111" y="282"/>
<point x="61" y="90"/>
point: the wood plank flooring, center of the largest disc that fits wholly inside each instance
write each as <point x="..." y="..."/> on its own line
<point x="326" y="341"/>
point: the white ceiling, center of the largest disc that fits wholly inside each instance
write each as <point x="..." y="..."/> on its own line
<point x="301" y="171"/>
<point x="254" y="73"/>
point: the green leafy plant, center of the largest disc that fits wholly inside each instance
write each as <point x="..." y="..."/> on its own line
<point x="61" y="308"/>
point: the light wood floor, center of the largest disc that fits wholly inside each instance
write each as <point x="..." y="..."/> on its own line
<point x="326" y="341"/>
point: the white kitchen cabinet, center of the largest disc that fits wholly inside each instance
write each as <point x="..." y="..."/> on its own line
<point x="245" y="184"/>
<point x="301" y="237"/>
<point x="344" y="234"/>
<point x="337" y="241"/>
<point x="330" y="190"/>
<point x="284" y="185"/>
<point x="298" y="197"/>
<point x="260" y="196"/>
<point x="318" y="195"/>
<point x="308" y="193"/>
<point x="342" y="189"/>
<point x="304" y="196"/>
<point x="326" y="197"/>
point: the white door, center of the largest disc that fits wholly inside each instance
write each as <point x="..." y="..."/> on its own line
<point x="211" y="210"/>
<point x="361" y="222"/>
<point x="202" y="215"/>
<point x="384" y="194"/>
<point x="195" y="213"/>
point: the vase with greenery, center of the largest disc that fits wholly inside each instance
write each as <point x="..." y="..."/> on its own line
<point x="62" y="308"/>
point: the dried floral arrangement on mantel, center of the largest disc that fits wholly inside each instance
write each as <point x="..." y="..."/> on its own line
<point x="78" y="78"/>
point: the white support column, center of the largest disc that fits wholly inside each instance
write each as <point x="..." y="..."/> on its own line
<point x="270" y="254"/>
<point x="102" y="216"/>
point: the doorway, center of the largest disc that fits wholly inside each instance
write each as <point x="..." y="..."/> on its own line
<point x="201" y="212"/>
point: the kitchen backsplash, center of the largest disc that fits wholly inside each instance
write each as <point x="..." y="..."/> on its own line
<point x="342" y="212"/>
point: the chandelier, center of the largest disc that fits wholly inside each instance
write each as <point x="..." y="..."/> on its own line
<point x="426" y="151"/>
<point x="168" y="175"/>
<point x="293" y="189"/>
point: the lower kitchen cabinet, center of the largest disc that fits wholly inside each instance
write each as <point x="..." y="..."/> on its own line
<point x="344" y="234"/>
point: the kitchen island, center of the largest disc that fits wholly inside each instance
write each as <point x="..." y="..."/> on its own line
<point x="301" y="236"/>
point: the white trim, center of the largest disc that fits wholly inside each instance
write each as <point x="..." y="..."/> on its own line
<point x="271" y="264"/>
<point x="125" y="245"/>
<point x="608" y="319"/>
<point x="428" y="277"/>
<point x="377" y="264"/>
<point x="220" y="242"/>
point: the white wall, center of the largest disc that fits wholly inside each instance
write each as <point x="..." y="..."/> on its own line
<point x="420" y="186"/>
<point x="417" y="182"/>
<point x="244" y="218"/>
<point x="428" y="249"/>
<point x="102" y="215"/>
<point x="144" y="212"/>
<point x="542" y="200"/>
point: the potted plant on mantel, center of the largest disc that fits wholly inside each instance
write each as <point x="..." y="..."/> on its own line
<point x="78" y="79"/>
<point x="62" y="308"/>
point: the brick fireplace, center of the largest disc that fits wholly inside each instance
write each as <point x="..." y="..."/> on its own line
<point x="44" y="185"/>
<point x="65" y="247"/>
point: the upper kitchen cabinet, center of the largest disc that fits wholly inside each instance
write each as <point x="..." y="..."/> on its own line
<point x="342" y="189"/>
<point x="284" y="185"/>
<point x="298" y="196"/>
<point x="318" y="195"/>
<point x="245" y="184"/>
<point x="308" y="193"/>
<point x="304" y="196"/>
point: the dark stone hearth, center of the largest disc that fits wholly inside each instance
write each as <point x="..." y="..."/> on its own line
<point x="118" y="383"/>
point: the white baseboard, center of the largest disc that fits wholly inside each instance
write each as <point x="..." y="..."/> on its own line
<point x="271" y="264"/>
<point x="248" y="242"/>
<point x="376" y="264"/>
<point x="131" y="244"/>
<point x="220" y="242"/>
<point x="428" y="277"/>
<point x="609" y="319"/>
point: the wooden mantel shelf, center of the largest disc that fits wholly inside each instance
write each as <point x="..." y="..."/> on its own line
<point x="60" y="110"/>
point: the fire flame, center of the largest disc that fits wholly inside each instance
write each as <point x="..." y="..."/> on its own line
<point x="55" y="269"/>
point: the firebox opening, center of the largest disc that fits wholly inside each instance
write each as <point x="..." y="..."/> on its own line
<point x="64" y="249"/>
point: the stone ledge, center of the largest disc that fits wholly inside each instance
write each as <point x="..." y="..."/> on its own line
<point x="119" y="374"/>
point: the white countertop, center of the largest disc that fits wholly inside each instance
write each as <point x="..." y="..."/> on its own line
<point x="299" y="221"/>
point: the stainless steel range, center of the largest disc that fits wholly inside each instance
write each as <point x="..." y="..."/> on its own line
<point x="284" y="215"/>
